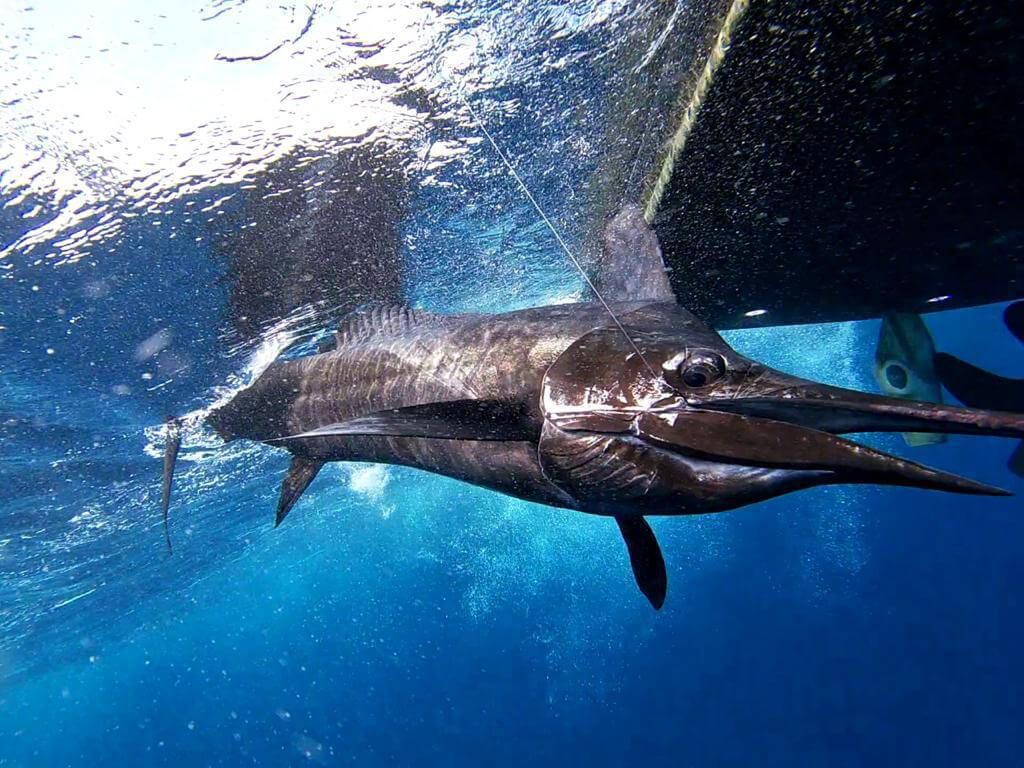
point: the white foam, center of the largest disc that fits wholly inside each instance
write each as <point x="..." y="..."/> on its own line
<point x="370" y="480"/>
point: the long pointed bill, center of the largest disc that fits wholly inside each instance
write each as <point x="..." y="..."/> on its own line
<point x="755" y="441"/>
<point x="837" y="410"/>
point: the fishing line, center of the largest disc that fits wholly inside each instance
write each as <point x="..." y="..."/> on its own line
<point x="558" y="237"/>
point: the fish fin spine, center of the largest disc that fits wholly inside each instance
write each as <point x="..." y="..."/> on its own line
<point x="381" y="320"/>
<point x="300" y="474"/>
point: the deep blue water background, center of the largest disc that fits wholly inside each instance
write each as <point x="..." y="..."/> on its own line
<point x="402" y="618"/>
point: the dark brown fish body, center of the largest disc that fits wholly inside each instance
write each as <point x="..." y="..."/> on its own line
<point x="626" y="409"/>
<point x="394" y="357"/>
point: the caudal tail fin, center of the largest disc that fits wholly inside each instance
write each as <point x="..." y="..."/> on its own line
<point x="170" y="456"/>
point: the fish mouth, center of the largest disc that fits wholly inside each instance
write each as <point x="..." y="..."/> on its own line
<point x="795" y="427"/>
<point x="839" y="411"/>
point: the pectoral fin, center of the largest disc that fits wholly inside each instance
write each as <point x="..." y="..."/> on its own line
<point x="300" y="475"/>
<point x="645" y="557"/>
<point x="497" y="420"/>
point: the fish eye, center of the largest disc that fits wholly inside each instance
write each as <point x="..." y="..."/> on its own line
<point x="701" y="368"/>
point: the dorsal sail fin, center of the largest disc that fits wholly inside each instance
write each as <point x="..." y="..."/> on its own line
<point x="631" y="267"/>
<point x="386" y="320"/>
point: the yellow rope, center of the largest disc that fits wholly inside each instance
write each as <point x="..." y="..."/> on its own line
<point x="700" y="90"/>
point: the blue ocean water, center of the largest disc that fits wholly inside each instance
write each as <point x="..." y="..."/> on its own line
<point x="400" y="618"/>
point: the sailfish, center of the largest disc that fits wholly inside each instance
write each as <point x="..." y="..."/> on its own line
<point x="626" y="405"/>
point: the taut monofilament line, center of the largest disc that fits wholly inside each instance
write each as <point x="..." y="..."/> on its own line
<point x="540" y="211"/>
